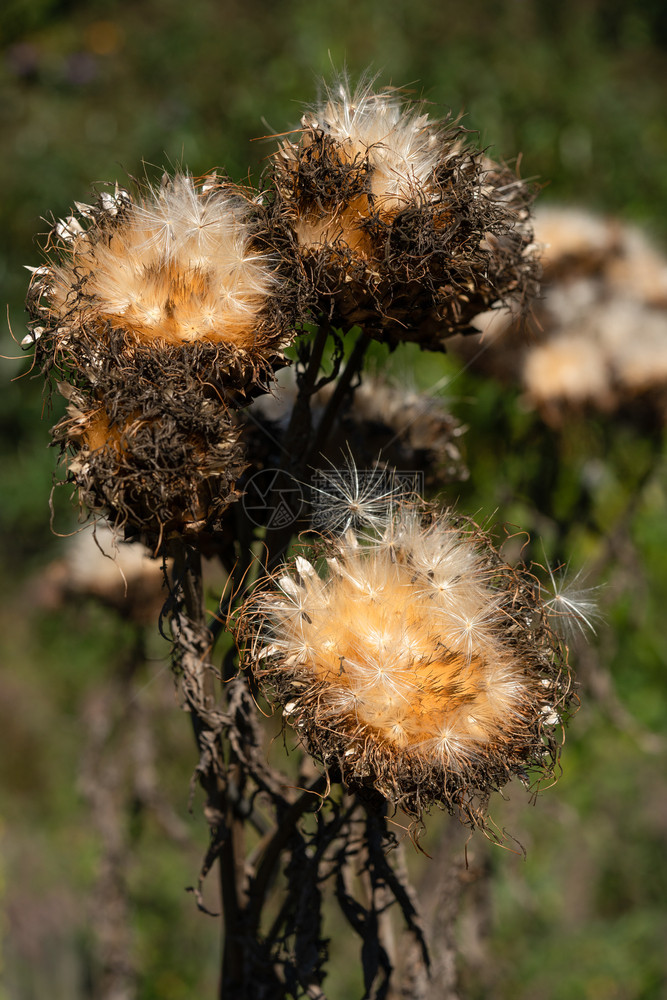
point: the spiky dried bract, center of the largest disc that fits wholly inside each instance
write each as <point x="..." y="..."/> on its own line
<point x="417" y="663"/>
<point x="405" y="230"/>
<point x="157" y="457"/>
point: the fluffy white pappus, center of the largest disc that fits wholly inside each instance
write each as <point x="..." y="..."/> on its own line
<point x="174" y="264"/>
<point x="393" y="656"/>
<point x="571" y="607"/>
<point x="345" y="496"/>
<point x="402" y="144"/>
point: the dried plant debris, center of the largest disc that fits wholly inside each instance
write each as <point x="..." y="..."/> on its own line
<point x="388" y="424"/>
<point x="412" y="660"/>
<point x="597" y="338"/>
<point x="404" y="228"/>
<point x="156" y="314"/>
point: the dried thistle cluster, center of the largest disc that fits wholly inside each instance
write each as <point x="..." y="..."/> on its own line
<point x="412" y="659"/>
<point x="161" y="311"/>
<point x="404" y="229"/>
<point x="597" y="337"/>
<point x="155" y="312"/>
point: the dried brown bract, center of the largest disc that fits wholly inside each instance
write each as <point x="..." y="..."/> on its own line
<point x="152" y="447"/>
<point x="405" y="230"/>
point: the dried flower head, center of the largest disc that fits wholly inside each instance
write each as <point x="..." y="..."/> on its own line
<point x="414" y="661"/>
<point x="155" y="312"/>
<point x="177" y="263"/>
<point x="597" y="337"/>
<point x="156" y="459"/>
<point x="405" y="229"/>
<point x="392" y="424"/>
<point x="97" y="563"/>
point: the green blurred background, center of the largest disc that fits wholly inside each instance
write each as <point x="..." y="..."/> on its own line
<point x="90" y="92"/>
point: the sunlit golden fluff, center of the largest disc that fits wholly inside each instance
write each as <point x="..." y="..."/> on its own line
<point x="175" y="263"/>
<point x="413" y="660"/>
<point x="406" y="230"/>
<point x="157" y="312"/>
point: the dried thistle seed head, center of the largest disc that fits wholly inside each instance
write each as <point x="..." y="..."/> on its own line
<point x="392" y="425"/>
<point x="395" y="424"/>
<point x="95" y="562"/>
<point x="180" y="263"/>
<point x="418" y="664"/>
<point x="156" y="458"/>
<point x="404" y="229"/>
<point x="597" y="337"/>
<point x="395" y="146"/>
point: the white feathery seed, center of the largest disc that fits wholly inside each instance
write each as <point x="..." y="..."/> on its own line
<point x="570" y="606"/>
<point x="350" y="498"/>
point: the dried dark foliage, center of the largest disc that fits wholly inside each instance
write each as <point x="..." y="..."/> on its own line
<point x="150" y="440"/>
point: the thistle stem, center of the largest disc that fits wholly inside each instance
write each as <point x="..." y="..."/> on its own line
<point x="192" y="648"/>
<point x="298" y="437"/>
<point x="342" y="389"/>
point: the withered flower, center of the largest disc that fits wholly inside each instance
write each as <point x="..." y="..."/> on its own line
<point x="413" y="660"/>
<point x="406" y="230"/>
<point x="597" y="337"/>
<point x="156" y="313"/>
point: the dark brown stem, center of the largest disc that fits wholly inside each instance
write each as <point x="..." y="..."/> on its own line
<point x="276" y="844"/>
<point x="342" y="389"/>
<point x="192" y="648"/>
<point x="299" y="430"/>
<point x="233" y="892"/>
<point x="297" y="438"/>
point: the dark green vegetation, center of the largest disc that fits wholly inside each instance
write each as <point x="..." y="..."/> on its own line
<point x="88" y="91"/>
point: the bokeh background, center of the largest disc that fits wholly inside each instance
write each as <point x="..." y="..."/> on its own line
<point x="98" y="91"/>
